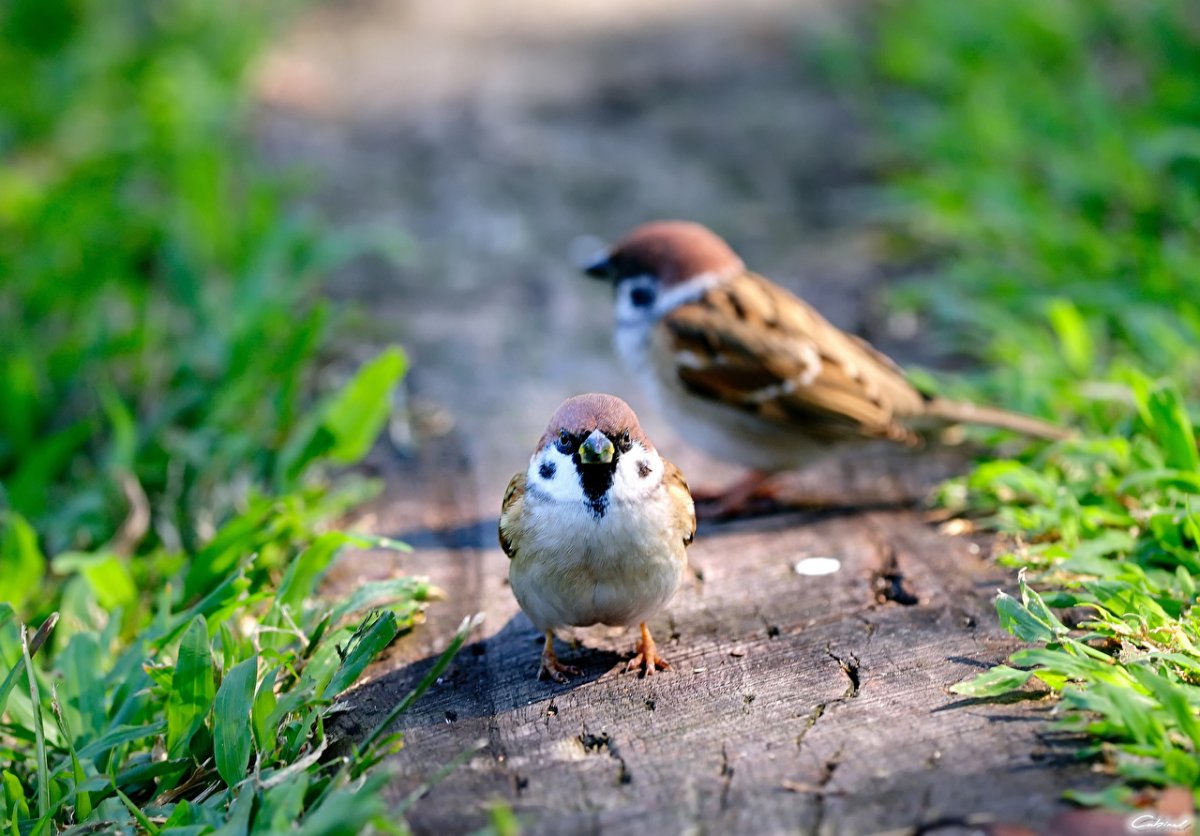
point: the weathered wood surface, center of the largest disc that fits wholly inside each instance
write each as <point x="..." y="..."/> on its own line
<point x="796" y="704"/>
<point x="494" y="134"/>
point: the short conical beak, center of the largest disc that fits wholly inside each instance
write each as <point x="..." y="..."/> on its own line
<point x="596" y="449"/>
<point x="600" y="269"/>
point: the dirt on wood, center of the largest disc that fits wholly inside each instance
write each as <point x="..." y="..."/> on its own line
<point x="491" y="140"/>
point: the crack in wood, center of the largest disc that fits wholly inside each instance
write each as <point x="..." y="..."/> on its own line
<point x="888" y="582"/>
<point x="850" y="667"/>
<point x="821" y="789"/>
<point x="810" y="720"/>
<point x="770" y="628"/>
<point x="594" y="744"/>
<point x="726" y="778"/>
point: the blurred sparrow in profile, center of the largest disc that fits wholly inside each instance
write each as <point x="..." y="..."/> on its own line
<point x="596" y="528"/>
<point x="750" y="373"/>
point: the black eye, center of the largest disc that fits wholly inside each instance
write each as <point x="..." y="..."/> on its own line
<point x="564" y="441"/>
<point x="625" y="442"/>
<point x="642" y="297"/>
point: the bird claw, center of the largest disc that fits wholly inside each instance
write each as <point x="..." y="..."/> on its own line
<point x="556" y="671"/>
<point x="651" y="667"/>
<point x="647" y="656"/>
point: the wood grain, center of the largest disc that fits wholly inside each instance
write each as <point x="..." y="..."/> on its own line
<point x="490" y="136"/>
<point x="796" y="704"/>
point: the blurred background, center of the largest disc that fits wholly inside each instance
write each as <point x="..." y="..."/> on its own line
<point x="497" y="144"/>
<point x="211" y="211"/>
<point x="217" y="219"/>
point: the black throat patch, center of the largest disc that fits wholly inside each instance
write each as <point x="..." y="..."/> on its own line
<point x="596" y="480"/>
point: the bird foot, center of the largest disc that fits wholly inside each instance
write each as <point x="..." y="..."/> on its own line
<point x="738" y="499"/>
<point x="647" y="656"/>
<point x="555" y="670"/>
<point x="642" y="660"/>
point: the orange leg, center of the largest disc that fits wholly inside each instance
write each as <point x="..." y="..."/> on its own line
<point x="647" y="654"/>
<point x="551" y="668"/>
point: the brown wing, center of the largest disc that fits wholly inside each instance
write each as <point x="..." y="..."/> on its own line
<point x="752" y="344"/>
<point x="681" y="500"/>
<point x="510" y="514"/>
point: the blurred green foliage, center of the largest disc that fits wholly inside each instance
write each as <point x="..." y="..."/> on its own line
<point x="157" y="308"/>
<point x="1051" y="151"/>
<point x="1044" y="157"/>
<point x="164" y="451"/>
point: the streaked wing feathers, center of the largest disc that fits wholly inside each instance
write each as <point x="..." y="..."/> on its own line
<point x="681" y="500"/>
<point x="510" y="514"/>
<point x="758" y="347"/>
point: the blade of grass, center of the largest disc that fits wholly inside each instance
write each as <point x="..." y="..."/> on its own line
<point x="231" y="721"/>
<point x="191" y="688"/>
<point x="82" y="799"/>
<point x="39" y="638"/>
<point x="364" y="752"/>
<point x="443" y="661"/>
<point x="43" y="771"/>
<point x="433" y="780"/>
<point x="121" y="735"/>
<point x="137" y="813"/>
<point x="366" y="643"/>
<point x="14" y="797"/>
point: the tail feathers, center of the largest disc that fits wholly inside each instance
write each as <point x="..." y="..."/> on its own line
<point x="957" y="412"/>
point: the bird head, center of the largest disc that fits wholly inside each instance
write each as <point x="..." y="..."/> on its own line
<point x="594" y="452"/>
<point x="662" y="264"/>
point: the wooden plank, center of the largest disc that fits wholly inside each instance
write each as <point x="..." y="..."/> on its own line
<point x="796" y="704"/>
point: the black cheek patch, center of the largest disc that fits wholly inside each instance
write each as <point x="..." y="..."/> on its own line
<point x="644" y="468"/>
<point x="547" y="470"/>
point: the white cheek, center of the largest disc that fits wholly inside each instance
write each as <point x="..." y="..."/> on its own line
<point x="634" y="324"/>
<point x="632" y="335"/>
<point x="561" y="484"/>
<point x="629" y="314"/>
<point x="639" y="472"/>
<point x="685" y="292"/>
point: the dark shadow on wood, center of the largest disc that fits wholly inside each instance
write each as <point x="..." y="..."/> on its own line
<point x="818" y="508"/>
<point x="476" y="534"/>
<point x="975" y="663"/>
<point x="1035" y="715"/>
<point x="1002" y="699"/>
<point x="469" y="689"/>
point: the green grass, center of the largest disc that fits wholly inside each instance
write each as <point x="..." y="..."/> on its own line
<point x="167" y="457"/>
<point x="1043" y="155"/>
